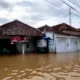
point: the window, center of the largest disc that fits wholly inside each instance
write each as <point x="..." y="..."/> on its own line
<point x="27" y="45"/>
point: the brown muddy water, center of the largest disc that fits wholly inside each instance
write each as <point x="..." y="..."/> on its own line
<point x="59" y="66"/>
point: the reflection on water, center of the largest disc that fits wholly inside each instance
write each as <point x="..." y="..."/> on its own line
<point x="59" y="66"/>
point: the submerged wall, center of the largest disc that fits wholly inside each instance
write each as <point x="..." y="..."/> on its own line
<point x="51" y="41"/>
<point x="66" y="43"/>
<point x="41" y="43"/>
<point x="28" y="46"/>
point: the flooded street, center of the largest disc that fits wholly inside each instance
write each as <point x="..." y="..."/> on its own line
<point x="59" y="66"/>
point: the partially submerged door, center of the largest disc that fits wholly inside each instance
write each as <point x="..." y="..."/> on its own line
<point x="51" y="45"/>
<point x="62" y="44"/>
<point x="73" y="45"/>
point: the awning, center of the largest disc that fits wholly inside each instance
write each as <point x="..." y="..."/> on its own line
<point x="45" y="37"/>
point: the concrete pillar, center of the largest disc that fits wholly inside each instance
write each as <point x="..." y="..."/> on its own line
<point x="55" y="45"/>
<point x="23" y="48"/>
<point x="69" y="43"/>
<point x="78" y="44"/>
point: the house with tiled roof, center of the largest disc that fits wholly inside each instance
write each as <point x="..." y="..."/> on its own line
<point x="48" y="31"/>
<point x="18" y="36"/>
<point x="63" y="38"/>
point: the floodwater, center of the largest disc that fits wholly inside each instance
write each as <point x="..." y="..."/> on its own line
<point x="61" y="66"/>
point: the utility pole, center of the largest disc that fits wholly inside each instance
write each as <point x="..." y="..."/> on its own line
<point x="69" y="11"/>
<point x="70" y="21"/>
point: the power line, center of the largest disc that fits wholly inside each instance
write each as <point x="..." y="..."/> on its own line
<point x="77" y="2"/>
<point x="60" y="12"/>
<point x="57" y="7"/>
<point x="74" y="3"/>
<point x="52" y="3"/>
<point x="62" y="8"/>
<point x="69" y="10"/>
<point x="69" y="6"/>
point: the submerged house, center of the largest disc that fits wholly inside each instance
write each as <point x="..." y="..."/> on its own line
<point x="63" y="38"/>
<point x="17" y="36"/>
<point x="48" y="33"/>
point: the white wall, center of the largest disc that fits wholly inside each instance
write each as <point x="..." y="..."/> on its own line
<point x="49" y="34"/>
<point x="51" y="41"/>
<point x="32" y="47"/>
<point x="51" y="45"/>
<point x="79" y="44"/>
<point x="73" y="44"/>
<point x="67" y="44"/>
<point x="41" y="43"/>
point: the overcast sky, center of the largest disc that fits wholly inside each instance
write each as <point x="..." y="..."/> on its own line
<point x="37" y="12"/>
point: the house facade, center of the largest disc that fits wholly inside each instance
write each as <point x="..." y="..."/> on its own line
<point x="65" y="43"/>
<point x="63" y="38"/>
<point x="19" y="37"/>
<point x="49" y="33"/>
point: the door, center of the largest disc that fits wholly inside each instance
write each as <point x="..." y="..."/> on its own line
<point x="51" y="45"/>
<point x="62" y="44"/>
<point x="73" y="45"/>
